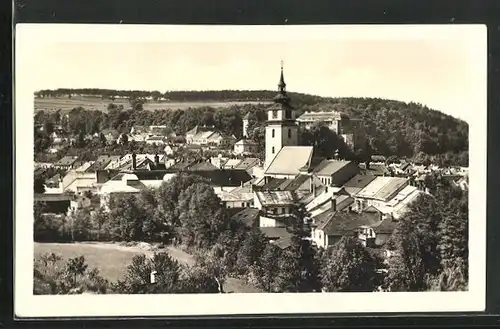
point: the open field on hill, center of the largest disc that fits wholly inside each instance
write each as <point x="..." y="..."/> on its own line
<point x="94" y="103"/>
<point x="112" y="259"/>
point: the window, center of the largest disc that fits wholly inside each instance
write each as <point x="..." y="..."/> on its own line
<point x="288" y="114"/>
<point x="275" y="114"/>
<point x="272" y="150"/>
<point x="289" y="133"/>
<point x="272" y="133"/>
<point x="243" y="205"/>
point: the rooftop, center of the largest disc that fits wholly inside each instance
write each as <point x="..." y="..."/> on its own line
<point x="46" y="197"/>
<point x="310" y="116"/>
<point x="275" y="198"/>
<point x="329" y="167"/>
<point x="382" y="188"/>
<point x="290" y="159"/>
<point x="249" y="216"/>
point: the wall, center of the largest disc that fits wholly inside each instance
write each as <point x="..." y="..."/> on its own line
<point x="279" y="140"/>
<point x="319" y="238"/>
<point x="269" y="222"/>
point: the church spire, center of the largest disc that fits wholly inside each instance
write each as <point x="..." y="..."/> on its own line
<point x="282" y="84"/>
<point x="281" y="97"/>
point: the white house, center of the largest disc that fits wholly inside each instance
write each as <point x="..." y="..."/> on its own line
<point x="245" y="146"/>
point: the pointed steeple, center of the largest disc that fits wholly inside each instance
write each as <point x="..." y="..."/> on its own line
<point x="282" y="84"/>
<point x="281" y="97"/>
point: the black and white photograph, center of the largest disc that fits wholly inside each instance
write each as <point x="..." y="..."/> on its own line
<point x="198" y="170"/>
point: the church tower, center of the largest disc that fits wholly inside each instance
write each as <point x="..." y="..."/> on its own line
<point x="281" y="128"/>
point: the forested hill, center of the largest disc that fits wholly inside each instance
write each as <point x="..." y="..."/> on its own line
<point x="392" y="127"/>
<point x="181" y="96"/>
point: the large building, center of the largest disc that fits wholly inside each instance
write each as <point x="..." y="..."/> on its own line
<point x="281" y="128"/>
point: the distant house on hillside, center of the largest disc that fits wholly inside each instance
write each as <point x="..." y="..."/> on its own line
<point x="66" y="162"/>
<point x="245" y="146"/>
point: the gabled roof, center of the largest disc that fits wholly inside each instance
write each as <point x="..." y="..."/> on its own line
<point x="374" y="169"/>
<point x="357" y="183"/>
<point x="202" y="166"/>
<point x="387" y="226"/>
<point x="382" y="188"/>
<point x="329" y="167"/>
<point x="290" y="159"/>
<point x="276" y="198"/>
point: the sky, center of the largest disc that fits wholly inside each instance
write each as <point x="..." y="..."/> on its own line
<point x="443" y="68"/>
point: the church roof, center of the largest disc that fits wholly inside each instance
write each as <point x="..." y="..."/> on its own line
<point x="290" y="159"/>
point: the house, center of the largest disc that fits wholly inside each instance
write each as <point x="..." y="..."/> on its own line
<point x="289" y="161"/>
<point x="168" y="150"/>
<point x="275" y="207"/>
<point x="329" y="227"/>
<point x="54" y="203"/>
<point x="245" y="146"/>
<point x="220" y="140"/>
<point x="239" y="197"/>
<point x="156" y="140"/>
<point x="129" y="183"/>
<point x="53" y="185"/>
<point x="102" y="161"/>
<point x="79" y="181"/>
<point x="66" y="162"/>
<point x="335" y="172"/>
<point x="379" y="192"/>
<point x="332" y="119"/>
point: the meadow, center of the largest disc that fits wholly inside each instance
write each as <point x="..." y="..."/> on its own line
<point x="112" y="259"/>
<point x="95" y="103"/>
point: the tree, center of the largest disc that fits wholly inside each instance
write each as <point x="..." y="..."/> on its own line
<point x="349" y="267"/>
<point x="48" y="127"/>
<point x="102" y="139"/>
<point x="250" y="251"/>
<point x="299" y="268"/>
<point x="138" y="277"/>
<point x="39" y="184"/>
<point x="201" y="215"/>
<point x="267" y="270"/>
<point x="75" y="268"/>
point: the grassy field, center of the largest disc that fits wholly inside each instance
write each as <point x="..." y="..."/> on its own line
<point x="66" y="104"/>
<point x="112" y="259"/>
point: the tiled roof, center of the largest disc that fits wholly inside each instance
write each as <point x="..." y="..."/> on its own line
<point x="329" y="167"/>
<point x="357" y="183"/>
<point x="374" y="169"/>
<point x="247" y="163"/>
<point x="387" y="226"/>
<point x="290" y="159"/>
<point x="274" y="198"/>
<point x="276" y="232"/>
<point x="296" y="183"/>
<point x="319" y="116"/>
<point x="343" y="222"/>
<point x="273" y="184"/>
<point x="231" y="163"/>
<point x="382" y="188"/>
<point x="249" y="216"/>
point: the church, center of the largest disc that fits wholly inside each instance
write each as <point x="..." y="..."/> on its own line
<point x="284" y="157"/>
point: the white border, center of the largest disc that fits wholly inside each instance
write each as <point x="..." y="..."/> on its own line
<point x="26" y="305"/>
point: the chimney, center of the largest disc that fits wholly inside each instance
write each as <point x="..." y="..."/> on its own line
<point x="134" y="161"/>
<point x="334" y="204"/>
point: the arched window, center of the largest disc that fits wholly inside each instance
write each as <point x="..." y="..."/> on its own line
<point x="272" y="150"/>
<point x="272" y="134"/>
<point x="289" y="133"/>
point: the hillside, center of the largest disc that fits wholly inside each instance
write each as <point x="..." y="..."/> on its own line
<point x="391" y="127"/>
